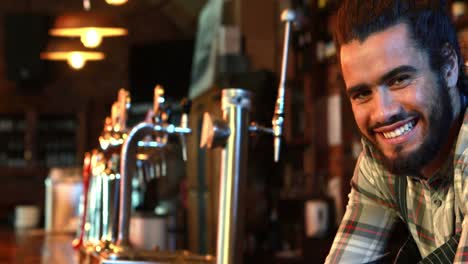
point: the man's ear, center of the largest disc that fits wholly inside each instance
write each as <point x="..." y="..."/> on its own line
<point x="450" y="69"/>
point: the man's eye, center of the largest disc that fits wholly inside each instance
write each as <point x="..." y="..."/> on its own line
<point x="361" y="96"/>
<point x="400" y="81"/>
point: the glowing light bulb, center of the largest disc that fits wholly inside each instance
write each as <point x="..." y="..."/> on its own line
<point x="116" y="2"/>
<point x="76" y="60"/>
<point x="91" y="38"/>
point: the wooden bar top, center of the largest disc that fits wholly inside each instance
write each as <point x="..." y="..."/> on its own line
<point x="35" y="246"/>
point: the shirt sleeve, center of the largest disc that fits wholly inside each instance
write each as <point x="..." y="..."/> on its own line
<point x="370" y="215"/>
<point x="462" y="250"/>
<point x="461" y="182"/>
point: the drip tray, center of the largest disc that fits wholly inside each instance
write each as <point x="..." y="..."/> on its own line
<point x="152" y="257"/>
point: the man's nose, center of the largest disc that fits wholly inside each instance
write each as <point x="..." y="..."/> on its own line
<point x="385" y="107"/>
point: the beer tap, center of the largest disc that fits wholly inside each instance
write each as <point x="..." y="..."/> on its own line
<point x="160" y="128"/>
<point x="231" y="134"/>
<point x="94" y="216"/>
<point x="120" y="151"/>
<point x="115" y="127"/>
<point x="160" y="115"/>
<point x="288" y="16"/>
<point x="78" y="241"/>
<point x="98" y="229"/>
<point x="110" y="181"/>
<point x="186" y="105"/>
<point x="114" y="134"/>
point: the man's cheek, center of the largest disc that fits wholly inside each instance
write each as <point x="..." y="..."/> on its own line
<point x="361" y="123"/>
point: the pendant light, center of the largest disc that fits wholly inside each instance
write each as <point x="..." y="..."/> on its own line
<point x="90" y="27"/>
<point x="116" y="2"/>
<point x="71" y="51"/>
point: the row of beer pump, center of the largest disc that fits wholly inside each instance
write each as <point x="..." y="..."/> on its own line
<point x="107" y="172"/>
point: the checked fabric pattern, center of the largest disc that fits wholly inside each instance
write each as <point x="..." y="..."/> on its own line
<point x="434" y="214"/>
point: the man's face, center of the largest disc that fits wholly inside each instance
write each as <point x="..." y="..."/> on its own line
<point x="401" y="107"/>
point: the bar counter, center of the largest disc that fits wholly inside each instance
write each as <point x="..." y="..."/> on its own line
<point x="34" y="246"/>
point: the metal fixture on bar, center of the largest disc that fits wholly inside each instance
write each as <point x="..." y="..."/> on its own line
<point x="106" y="204"/>
<point x="110" y="188"/>
<point x="93" y="217"/>
<point x="99" y="230"/>
<point x="78" y="241"/>
<point x="159" y="127"/>
<point x="231" y="133"/>
<point x="288" y="16"/>
<point x="115" y="127"/>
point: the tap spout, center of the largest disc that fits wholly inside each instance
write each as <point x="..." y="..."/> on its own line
<point x="127" y="167"/>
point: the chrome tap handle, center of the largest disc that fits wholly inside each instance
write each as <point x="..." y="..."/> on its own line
<point x="115" y="115"/>
<point x="123" y="102"/>
<point x="163" y="164"/>
<point x="186" y="105"/>
<point x="158" y="101"/>
<point x="214" y="132"/>
<point x="288" y="16"/>
<point x="159" y="117"/>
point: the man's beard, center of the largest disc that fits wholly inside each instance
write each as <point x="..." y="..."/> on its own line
<point x="440" y="118"/>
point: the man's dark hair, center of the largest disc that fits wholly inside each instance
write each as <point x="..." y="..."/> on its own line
<point x="429" y="25"/>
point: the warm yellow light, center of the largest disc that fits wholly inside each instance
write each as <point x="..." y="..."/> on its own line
<point x="116" y="2"/>
<point x="76" y="60"/>
<point x="91" y="38"/>
<point x="142" y="156"/>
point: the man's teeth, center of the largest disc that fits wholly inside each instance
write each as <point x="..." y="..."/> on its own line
<point x="399" y="131"/>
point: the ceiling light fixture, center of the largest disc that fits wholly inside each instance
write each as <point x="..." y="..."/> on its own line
<point x="75" y="55"/>
<point x="89" y="27"/>
<point x="116" y="2"/>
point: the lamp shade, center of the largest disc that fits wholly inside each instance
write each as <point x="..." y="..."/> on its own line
<point x="90" y="27"/>
<point x="71" y="51"/>
<point x="116" y="2"/>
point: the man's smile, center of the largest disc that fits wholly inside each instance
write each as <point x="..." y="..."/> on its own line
<point x="398" y="132"/>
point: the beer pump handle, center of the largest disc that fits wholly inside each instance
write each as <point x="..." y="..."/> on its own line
<point x="288" y="16"/>
<point x="186" y="106"/>
<point x="158" y="101"/>
<point x="124" y="104"/>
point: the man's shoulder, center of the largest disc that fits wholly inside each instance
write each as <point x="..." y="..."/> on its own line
<point x="461" y="148"/>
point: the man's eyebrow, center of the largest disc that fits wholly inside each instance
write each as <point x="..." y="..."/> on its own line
<point x="387" y="76"/>
<point x="398" y="70"/>
<point x="356" y="89"/>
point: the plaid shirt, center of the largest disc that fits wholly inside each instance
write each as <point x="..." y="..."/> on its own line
<point x="434" y="211"/>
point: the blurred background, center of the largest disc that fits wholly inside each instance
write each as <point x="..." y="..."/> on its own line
<point x="53" y="107"/>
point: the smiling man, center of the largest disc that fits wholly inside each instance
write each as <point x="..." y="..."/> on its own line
<point x="405" y="80"/>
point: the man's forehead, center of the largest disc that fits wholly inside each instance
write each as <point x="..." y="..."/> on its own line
<point x="396" y="36"/>
<point x="377" y="54"/>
